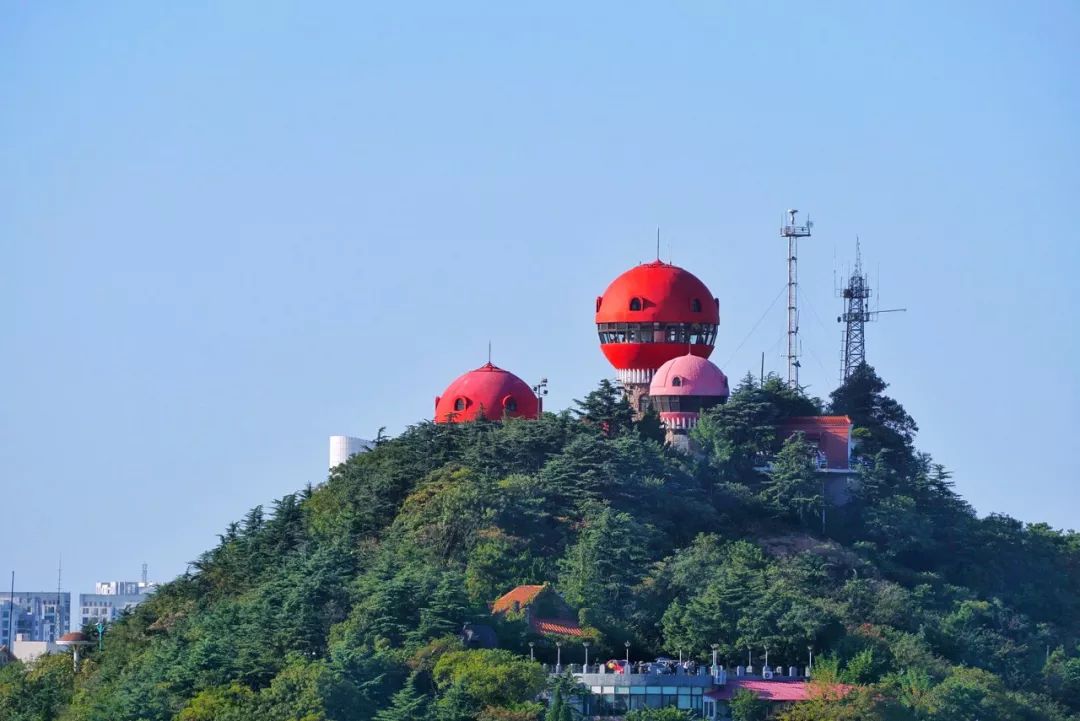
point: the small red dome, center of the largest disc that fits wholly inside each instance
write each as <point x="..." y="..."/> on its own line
<point x="488" y="389"/>
<point x="653" y="313"/>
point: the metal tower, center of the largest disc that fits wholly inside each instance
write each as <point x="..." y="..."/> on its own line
<point x="793" y="232"/>
<point x="856" y="314"/>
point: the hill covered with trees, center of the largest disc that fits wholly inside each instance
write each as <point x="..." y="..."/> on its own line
<point x="344" y="601"/>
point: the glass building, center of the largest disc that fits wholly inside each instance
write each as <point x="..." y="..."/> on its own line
<point x="616" y="694"/>
<point x="618" y="700"/>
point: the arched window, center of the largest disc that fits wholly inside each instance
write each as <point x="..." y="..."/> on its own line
<point x="676" y="381"/>
<point x="459" y="404"/>
<point x="695" y="305"/>
<point x="635" y="304"/>
<point x="510" y="404"/>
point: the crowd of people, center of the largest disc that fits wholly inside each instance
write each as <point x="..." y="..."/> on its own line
<point x="659" y="666"/>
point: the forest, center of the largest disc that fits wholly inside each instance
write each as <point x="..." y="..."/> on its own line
<point x="345" y="600"/>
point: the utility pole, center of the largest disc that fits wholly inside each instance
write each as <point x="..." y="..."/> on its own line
<point x="792" y="231"/>
<point x="856" y="314"/>
<point x="11" y="617"/>
<point x="58" y="619"/>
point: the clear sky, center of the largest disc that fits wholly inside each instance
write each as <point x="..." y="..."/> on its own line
<point x="231" y="229"/>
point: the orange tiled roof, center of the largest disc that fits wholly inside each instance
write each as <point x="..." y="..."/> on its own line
<point x="831" y="421"/>
<point x="522" y="595"/>
<point x="556" y="626"/>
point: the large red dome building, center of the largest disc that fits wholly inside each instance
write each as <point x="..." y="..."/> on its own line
<point x="489" y="390"/>
<point x="651" y="314"/>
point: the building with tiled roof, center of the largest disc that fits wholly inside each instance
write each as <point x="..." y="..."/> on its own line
<point x="829" y="435"/>
<point x="772" y="690"/>
<point x="544" y="610"/>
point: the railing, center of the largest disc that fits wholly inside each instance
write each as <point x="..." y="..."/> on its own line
<point x="651" y="674"/>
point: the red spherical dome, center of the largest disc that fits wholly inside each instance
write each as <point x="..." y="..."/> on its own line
<point x="489" y="390"/>
<point x="653" y="313"/>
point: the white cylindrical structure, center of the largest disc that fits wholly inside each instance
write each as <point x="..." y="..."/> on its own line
<point x="342" y="448"/>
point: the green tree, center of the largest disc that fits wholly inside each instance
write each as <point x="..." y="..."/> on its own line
<point x="492" y="677"/>
<point x="608" y="559"/>
<point x="558" y="709"/>
<point x="886" y="425"/>
<point x="746" y="706"/>
<point x="606" y="408"/>
<point x="234" y="702"/>
<point x="794" y="487"/>
<point x="408" y="704"/>
<point x="650" y="427"/>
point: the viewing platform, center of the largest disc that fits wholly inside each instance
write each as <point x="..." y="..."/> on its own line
<point x="643" y="675"/>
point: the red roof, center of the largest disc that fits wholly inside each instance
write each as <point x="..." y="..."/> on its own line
<point x="520" y="598"/>
<point x="831" y="434"/>
<point x="497" y="392"/>
<point x="819" y="421"/>
<point x="522" y="595"/>
<point x="776" y="691"/>
<point x="555" y="626"/>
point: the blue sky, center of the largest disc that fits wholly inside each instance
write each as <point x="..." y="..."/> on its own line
<point x="229" y="230"/>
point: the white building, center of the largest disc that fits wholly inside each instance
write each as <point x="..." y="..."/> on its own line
<point x="111" y="598"/>
<point x="27" y="651"/>
<point x="342" y="448"/>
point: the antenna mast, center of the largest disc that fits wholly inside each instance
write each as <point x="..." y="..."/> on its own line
<point x="856" y="314"/>
<point x="58" y="620"/>
<point x="793" y="232"/>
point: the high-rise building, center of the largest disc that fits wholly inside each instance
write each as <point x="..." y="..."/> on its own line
<point x="110" y="599"/>
<point x="35" y="615"/>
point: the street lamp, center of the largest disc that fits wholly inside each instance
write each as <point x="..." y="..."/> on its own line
<point x="627" y="644"/>
<point x="558" y="657"/>
<point x="715" y="650"/>
<point x="586" y="645"/>
<point x="810" y="649"/>
<point x="532" y="657"/>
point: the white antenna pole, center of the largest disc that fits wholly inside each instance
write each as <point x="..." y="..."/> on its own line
<point x="793" y="232"/>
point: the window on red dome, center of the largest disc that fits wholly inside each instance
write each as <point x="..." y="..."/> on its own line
<point x="459" y="404"/>
<point x="510" y="404"/>
<point x="695" y="305"/>
<point x="676" y="381"/>
<point x="635" y="304"/>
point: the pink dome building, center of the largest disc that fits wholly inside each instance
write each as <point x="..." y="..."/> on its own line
<point x="681" y="389"/>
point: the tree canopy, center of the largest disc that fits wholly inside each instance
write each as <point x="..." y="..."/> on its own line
<point x="344" y="601"/>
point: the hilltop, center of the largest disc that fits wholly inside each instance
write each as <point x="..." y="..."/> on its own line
<point x="344" y="601"/>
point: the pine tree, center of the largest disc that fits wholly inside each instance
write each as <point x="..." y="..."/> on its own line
<point x="794" y="486"/>
<point x="886" y="424"/>
<point x="650" y="426"/>
<point x="408" y="704"/>
<point x="606" y="407"/>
